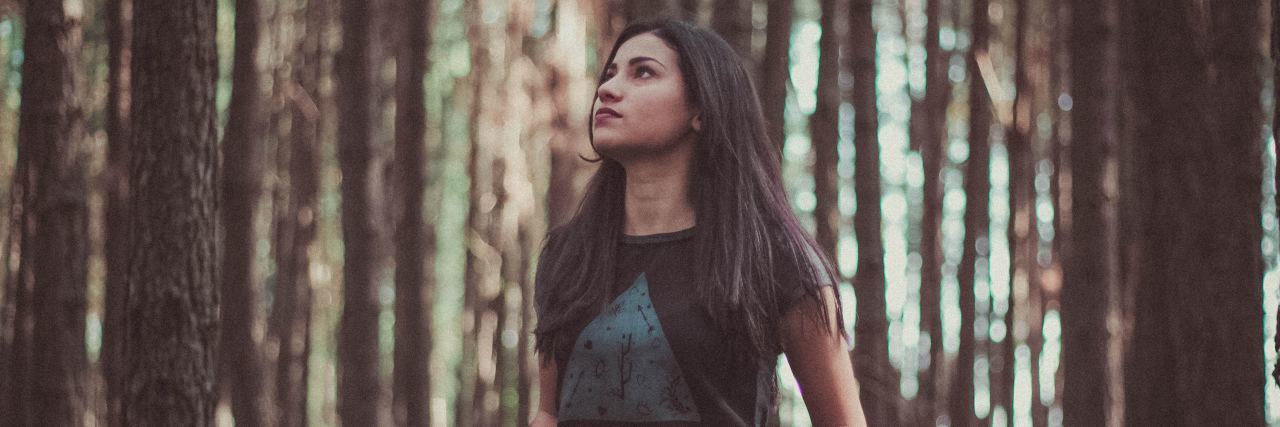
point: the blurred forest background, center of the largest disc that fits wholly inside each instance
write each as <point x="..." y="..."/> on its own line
<point x="322" y="212"/>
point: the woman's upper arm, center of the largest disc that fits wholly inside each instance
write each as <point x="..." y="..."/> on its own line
<point x="820" y="362"/>
<point x="548" y="376"/>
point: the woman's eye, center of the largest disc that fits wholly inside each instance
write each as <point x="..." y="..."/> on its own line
<point x="643" y="71"/>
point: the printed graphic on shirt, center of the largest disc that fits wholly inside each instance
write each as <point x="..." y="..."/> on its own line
<point x="622" y="367"/>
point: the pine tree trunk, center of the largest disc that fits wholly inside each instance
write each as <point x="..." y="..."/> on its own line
<point x="51" y="126"/>
<point x="977" y="188"/>
<point x="932" y="153"/>
<point x="824" y="130"/>
<point x="291" y="310"/>
<point x="241" y="368"/>
<point x="1090" y="273"/>
<point x="415" y="242"/>
<point x="732" y="20"/>
<point x="1197" y="314"/>
<point x="119" y="16"/>
<point x="17" y="386"/>
<point x="775" y="71"/>
<point x="1021" y="221"/>
<point x="637" y="10"/>
<point x="571" y="87"/>
<point x="879" y="381"/>
<point x="172" y="308"/>
<point x="1275" y="128"/>
<point x="359" y="389"/>
<point x="477" y="404"/>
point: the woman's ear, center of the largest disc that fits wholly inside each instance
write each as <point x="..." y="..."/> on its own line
<point x="696" y="123"/>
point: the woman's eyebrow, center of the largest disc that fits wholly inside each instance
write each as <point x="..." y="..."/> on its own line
<point x="639" y="59"/>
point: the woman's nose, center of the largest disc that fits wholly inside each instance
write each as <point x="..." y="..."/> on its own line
<point x="608" y="92"/>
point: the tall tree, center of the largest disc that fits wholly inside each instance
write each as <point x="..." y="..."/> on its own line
<point x="933" y="142"/>
<point x="119" y="16"/>
<point x="636" y="10"/>
<point x="775" y="73"/>
<point x="871" y="351"/>
<point x="1196" y="340"/>
<point x="1090" y="275"/>
<point x="358" y="383"/>
<point x="977" y="189"/>
<point x="172" y="308"/>
<point x="571" y="88"/>
<point x="51" y="127"/>
<point x="241" y="366"/>
<point x="1275" y="128"/>
<point x="732" y="20"/>
<point x="1021" y="227"/>
<point x="292" y="302"/>
<point x="414" y="240"/>
<point x="824" y="130"/>
<point x="481" y="373"/>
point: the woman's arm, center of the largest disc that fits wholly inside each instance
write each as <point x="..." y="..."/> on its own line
<point x="547" y="377"/>
<point x="821" y="363"/>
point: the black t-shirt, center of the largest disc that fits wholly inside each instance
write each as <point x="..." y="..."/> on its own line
<point x="653" y="356"/>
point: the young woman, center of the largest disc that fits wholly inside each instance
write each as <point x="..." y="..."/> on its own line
<point x="667" y="299"/>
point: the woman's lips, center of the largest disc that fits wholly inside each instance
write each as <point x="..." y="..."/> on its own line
<point x="604" y="114"/>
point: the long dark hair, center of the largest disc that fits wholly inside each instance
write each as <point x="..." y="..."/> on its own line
<point x="745" y="225"/>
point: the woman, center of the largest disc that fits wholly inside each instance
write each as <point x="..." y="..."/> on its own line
<point x="668" y="297"/>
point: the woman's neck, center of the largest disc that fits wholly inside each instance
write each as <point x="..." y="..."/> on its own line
<point x="657" y="199"/>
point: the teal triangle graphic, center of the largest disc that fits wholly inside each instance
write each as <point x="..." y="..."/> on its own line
<point x="622" y="367"/>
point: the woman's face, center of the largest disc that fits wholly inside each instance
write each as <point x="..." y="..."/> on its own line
<point x="641" y="107"/>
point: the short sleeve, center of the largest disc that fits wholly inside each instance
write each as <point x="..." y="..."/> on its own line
<point x="790" y="272"/>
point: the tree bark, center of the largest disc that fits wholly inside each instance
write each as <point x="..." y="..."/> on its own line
<point x="172" y="308"/>
<point x="977" y="189"/>
<point x="932" y="153"/>
<point x="637" y="10"/>
<point x="359" y="380"/>
<point x="291" y="310"/>
<point x="1021" y="227"/>
<point x="775" y="71"/>
<point x="732" y="20"/>
<point x="824" y="130"/>
<point x="119" y="17"/>
<point x="1197" y="325"/>
<point x="1275" y="128"/>
<point x="241" y="365"/>
<point x="879" y="381"/>
<point x="1090" y="276"/>
<point x="51" y="126"/>
<point x="415" y="241"/>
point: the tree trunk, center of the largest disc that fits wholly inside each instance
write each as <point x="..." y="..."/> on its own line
<point x="1022" y="241"/>
<point x="241" y="367"/>
<point x="732" y="20"/>
<point x="879" y="381"/>
<point x="119" y="16"/>
<point x="51" y="126"/>
<point x="776" y="71"/>
<point x="1275" y="129"/>
<point x="415" y="242"/>
<point x="172" y="308"/>
<point x="977" y="188"/>
<point x="932" y="153"/>
<point x="358" y="383"/>
<point x="291" y="310"/>
<point x="637" y="10"/>
<point x="478" y="401"/>
<point x="1196" y="347"/>
<point x="572" y="88"/>
<point x="1090" y="276"/>
<point x="824" y="130"/>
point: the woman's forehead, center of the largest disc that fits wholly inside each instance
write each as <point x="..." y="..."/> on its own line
<point x="647" y="45"/>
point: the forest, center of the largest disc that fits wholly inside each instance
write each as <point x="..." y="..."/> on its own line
<point x="329" y="212"/>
